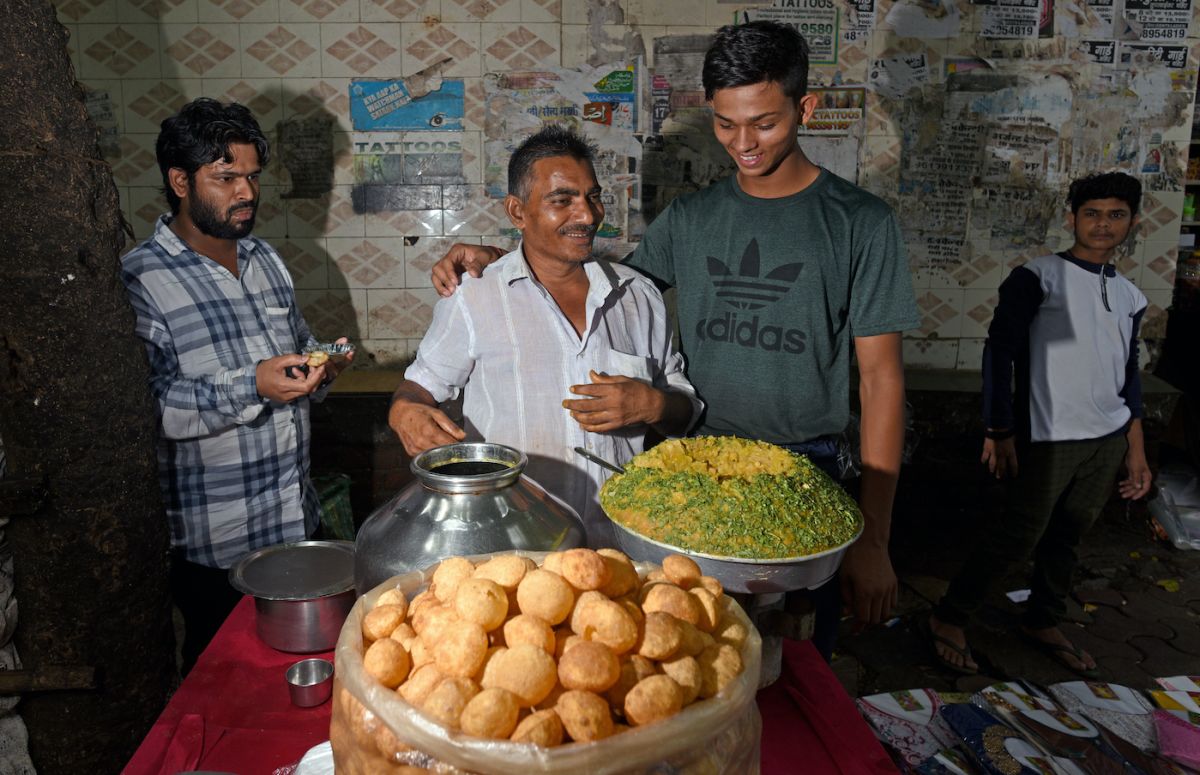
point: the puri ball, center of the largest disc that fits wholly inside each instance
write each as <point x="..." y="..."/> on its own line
<point x="490" y="714"/>
<point x="387" y="662"/>
<point x="526" y="671"/>
<point x="585" y="569"/>
<point x="461" y="649"/>
<point x="653" y="699"/>
<point x="545" y="595"/>
<point x="449" y="574"/>
<point x="381" y="620"/>
<point x="482" y="601"/>
<point x="589" y="666"/>
<point x="585" y="716"/>
<point x="542" y="728"/>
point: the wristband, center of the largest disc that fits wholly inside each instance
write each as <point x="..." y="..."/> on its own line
<point x="999" y="435"/>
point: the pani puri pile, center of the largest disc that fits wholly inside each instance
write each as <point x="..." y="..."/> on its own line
<point x="566" y="649"/>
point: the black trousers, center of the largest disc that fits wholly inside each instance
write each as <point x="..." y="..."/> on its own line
<point x="1057" y="495"/>
<point x="205" y="599"/>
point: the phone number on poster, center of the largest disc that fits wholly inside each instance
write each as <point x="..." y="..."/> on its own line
<point x="1163" y="33"/>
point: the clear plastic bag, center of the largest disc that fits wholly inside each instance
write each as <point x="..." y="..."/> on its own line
<point x="373" y="728"/>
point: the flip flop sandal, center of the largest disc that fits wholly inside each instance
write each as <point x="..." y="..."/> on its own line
<point x="934" y="639"/>
<point x="1058" y="652"/>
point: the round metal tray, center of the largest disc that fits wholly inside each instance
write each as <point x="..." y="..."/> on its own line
<point x="742" y="575"/>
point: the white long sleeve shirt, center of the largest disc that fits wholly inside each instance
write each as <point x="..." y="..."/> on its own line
<point x="504" y="342"/>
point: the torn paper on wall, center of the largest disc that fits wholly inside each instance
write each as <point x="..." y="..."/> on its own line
<point x="678" y="164"/>
<point x="925" y="19"/>
<point x="599" y="103"/>
<point x="678" y="91"/>
<point x="895" y="77"/>
<point x="99" y="106"/>
<point x="1020" y="155"/>
<point x="1158" y="21"/>
<point x="1009" y="19"/>
<point x="414" y="158"/>
<point x="858" y="20"/>
<point x="423" y="100"/>
<point x="838" y="154"/>
<point x="306" y="150"/>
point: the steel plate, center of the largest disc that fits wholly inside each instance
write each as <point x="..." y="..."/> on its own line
<point x="741" y="575"/>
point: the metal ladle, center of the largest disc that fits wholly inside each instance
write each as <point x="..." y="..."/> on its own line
<point x="600" y="461"/>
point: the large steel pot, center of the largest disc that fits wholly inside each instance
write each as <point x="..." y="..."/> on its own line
<point x="469" y="498"/>
<point x="302" y="592"/>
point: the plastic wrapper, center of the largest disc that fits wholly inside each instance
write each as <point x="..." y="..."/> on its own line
<point x="374" y="730"/>
<point x="1176" y="507"/>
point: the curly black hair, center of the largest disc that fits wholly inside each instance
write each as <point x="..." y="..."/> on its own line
<point x="1107" y="185"/>
<point x="200" y="133"/>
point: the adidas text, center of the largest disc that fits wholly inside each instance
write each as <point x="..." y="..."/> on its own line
<point x="747" y="333"/>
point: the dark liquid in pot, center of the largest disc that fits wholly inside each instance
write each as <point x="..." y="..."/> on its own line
<point x="469" y="468"/>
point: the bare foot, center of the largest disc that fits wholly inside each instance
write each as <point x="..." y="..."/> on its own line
<point x="950" y="641"/>
<point x="1062" y="649"/>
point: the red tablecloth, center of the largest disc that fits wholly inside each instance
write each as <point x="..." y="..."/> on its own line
<point x="233" y="714"/>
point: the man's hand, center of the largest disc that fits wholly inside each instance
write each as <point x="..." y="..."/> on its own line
<point x="615" y="402"/>
<point x="461" y="258"/>
<point x="422" y="427"/>
<point x="869" y="586"/>
<point x="1000" y="455"/>
<point x="1137" y="483"/>
<point x="273" y="382"/>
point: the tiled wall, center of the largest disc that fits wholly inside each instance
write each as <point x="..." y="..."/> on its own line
<point x="366" y="275"/>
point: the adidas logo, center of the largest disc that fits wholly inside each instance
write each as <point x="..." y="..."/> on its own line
<point x="747" y="290"/>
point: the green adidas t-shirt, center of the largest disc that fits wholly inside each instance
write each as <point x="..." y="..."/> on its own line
<point x="771" y="293"/>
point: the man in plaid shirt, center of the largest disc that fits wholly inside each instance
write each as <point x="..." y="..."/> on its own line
<point x="216" y="309"/>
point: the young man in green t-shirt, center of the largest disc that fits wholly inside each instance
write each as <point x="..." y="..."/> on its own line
<point x="780" y="271"/>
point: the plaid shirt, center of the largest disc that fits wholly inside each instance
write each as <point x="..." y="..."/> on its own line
<point x="233" y="465"/>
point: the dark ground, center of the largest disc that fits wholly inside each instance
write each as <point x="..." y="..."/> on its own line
<point x="1123" y="612"/>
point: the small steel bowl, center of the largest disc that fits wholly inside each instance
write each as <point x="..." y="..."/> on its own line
<point x="742" y="575"/>
<point x="310" y="682"/>
<point x="302" y="592"/>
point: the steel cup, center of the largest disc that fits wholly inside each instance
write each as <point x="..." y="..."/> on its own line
<point x="310" y="682"/>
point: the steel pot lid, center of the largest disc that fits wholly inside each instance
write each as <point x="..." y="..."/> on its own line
<point x="299" y="571"/>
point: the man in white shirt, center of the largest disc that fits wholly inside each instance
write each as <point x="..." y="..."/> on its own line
<point x="546" y="321"/>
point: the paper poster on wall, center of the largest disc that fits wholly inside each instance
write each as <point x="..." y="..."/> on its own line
<point x="1159" y="20"/>
<point x="394" y="106"/>
<point x="896" y="76"/>
<point x="838" y="154"/>
<point x="677" y="93"/>
<point x="839" y="111"/>
<point x="1014" y="19"/>
<point x="816" y="20"/>
<point x="416" y="158"/>
<point x="858" y="20"/>
<point x="600" y="103"/>
<point x="1142" y="54"/>
<point x="925" y="19"/>
<point x="1103" y="11"/>
<point x="1102" y="52"/>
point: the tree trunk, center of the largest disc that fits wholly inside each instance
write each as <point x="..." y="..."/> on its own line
<point x="91" y="556"/>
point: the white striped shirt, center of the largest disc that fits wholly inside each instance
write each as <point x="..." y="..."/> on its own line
<point x="504" y="342"/>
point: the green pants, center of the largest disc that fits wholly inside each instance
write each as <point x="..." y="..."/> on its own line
<point x="1053" y="501"/>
